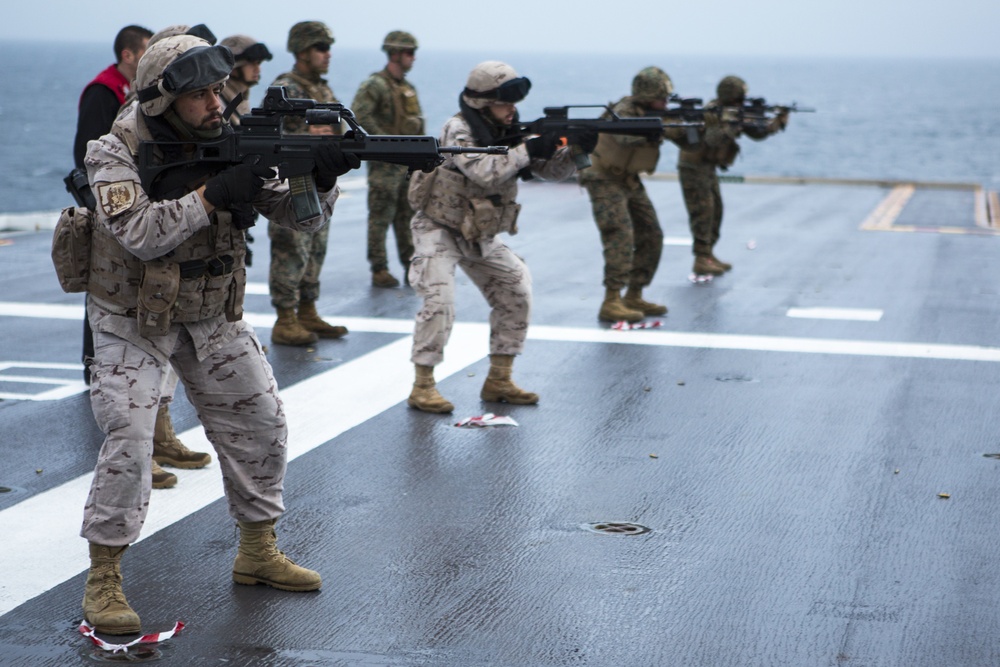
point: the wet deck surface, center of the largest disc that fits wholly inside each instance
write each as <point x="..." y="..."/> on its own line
<point x="788" y="468"/>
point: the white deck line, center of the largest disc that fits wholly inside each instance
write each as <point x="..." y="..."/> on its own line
<point x="855" y="314"/>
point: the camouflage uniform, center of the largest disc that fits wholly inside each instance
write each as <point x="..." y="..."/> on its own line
<point x="500" y="275"/>
<point x="218" y="355"/>
<point x="630" y="230"/>
<point x="297" y="257"/>
<point x="386" y="105"/>
<point x="718" y="148"/>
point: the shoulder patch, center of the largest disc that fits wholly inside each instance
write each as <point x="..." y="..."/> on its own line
<point x="116" y="198"/>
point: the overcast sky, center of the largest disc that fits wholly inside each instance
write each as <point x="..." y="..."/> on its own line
<point x="960" y="28"/>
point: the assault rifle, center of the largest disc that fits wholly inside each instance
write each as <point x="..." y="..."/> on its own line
<point x="259" y="140"/>
<point x="557" y="121"/>
<point x="758" y="107"/>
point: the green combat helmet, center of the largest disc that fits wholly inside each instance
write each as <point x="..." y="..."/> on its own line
<point x="399" y="40"/>
<point x="731" y="90"/>
<point x="651" y="84"/>
<point x="308" y="33"/>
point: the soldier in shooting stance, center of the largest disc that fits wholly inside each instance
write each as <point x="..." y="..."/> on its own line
<point x="99" y="105"/>
<point x="297" y="257"/>
<point x="696" y="168"/>
<point x="386" y="103"/>
<point x="629" y="228"/>
<point x="249" y="54"/>
<point x="461" y="209"/>
<point x="165" y="286"/>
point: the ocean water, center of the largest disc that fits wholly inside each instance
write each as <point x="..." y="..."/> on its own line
<point x="926" y="120"/>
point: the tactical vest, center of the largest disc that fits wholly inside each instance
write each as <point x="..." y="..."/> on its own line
<point x="612" y="158"/>
<point x="203" y="277"/>
<point x="406" y="114"/>
<point x="476" y="212"/>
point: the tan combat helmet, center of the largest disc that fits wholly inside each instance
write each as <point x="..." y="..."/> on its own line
<point x="494" y="81"/>
<point x="731" y="90"/>
<point x="399" y="40"/>
<point x="246" y="49"/>
<point x="177" y="65"/>
<point x="651" y="84"/>
<point x="308" y="33"/>
<point x="200" y="30"/>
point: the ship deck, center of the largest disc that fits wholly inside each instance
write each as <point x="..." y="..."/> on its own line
<point x="807" y="448"/>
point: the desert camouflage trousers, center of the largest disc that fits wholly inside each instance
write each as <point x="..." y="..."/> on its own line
<point x="501" y="276"/>
<point x="703" y="199"/>
<point x="630" y="231"/>
<point x="388" y="207"/>
<point x="296" y="262"/>
<point x="237" y="401"/>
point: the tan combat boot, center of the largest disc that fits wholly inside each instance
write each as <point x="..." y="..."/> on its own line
<point x="425" y="395"/>
<point x="614" y="309"/>
<point x="382" y="278"/>
<point x="726" y="266"/>
<point x="311" y="321"/>
<point x="633" y="299"/>
<point x="704" y="265"/>
<point x="104" y="603"/>
<point x="169" y="450"/>
<point x="258" y="561"/>
<point x="500" y="388"/>
<point x="161" y="478"/>
<point x="288" y="331"/>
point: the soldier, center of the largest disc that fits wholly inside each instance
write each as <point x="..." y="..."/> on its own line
<point x="165" y="287"/>
<point x="386" y="103"/>
<point x="297" y="257"/>
<point x="696" y="168"/>
<point x="630" y="230"/>
<point x="249" y="54"/>
<point x="461" y="208"/>
<point x="99" y="104"/>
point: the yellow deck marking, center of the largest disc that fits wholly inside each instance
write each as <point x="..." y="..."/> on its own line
<point x="889" y="209"/>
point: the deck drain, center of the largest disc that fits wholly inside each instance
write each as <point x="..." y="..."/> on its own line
<point x="616" y="528"/>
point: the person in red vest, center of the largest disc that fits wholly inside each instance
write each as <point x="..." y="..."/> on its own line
<point x="102" y="97"/>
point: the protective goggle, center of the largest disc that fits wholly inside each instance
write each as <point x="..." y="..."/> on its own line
<point x="255" y="54"/>
<point x="508" y="92"/>
<point x="194" y="69"/>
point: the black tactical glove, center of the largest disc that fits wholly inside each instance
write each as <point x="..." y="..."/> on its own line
<point x="244" y="217"/>
<point x="542" y="147"/>
<point x="236" y="185"/>
<point x="331" y="162"/>
<point x="587" y="141"/>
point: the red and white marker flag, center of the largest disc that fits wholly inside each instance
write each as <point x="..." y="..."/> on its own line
<point x="489" y="419"/>
<point x="625" y="326"/>
<point x="87" y="630"/>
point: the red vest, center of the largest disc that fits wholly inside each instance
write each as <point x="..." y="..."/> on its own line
<point x="112" y="79"/>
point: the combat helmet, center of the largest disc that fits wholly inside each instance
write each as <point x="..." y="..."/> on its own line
<point x="246" y="49"/>
<point x="494" y="81"/>
<point x="304" y="34"/>
<point x="731" y="90"/>
<point x="399" y="40"/>
<point x="177" y="65"/>
<point x="200" y="30"/>
<point x="651" y="84"/>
